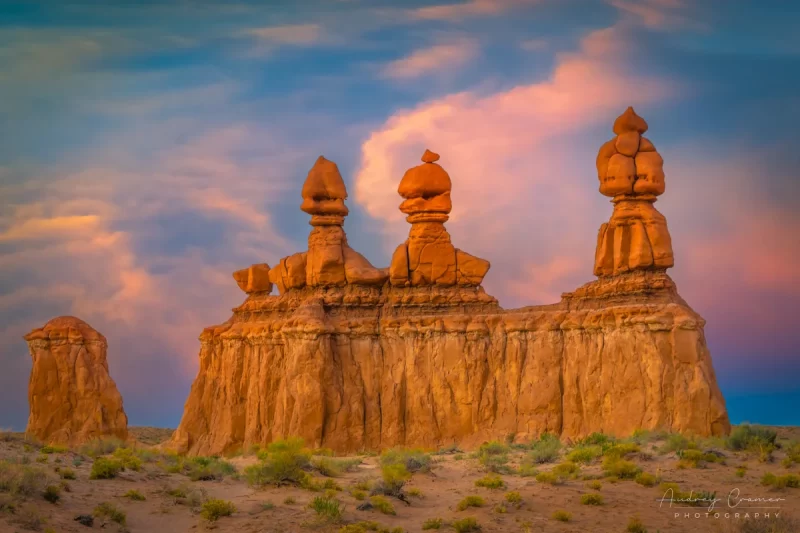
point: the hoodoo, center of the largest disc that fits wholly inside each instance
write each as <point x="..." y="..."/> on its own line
<point x="353" y="357"/>
<point x="71" y="394"/>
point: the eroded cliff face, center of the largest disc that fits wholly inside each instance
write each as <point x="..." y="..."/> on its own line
<point x="420" y="355"/>
<point x="71" y="394"/>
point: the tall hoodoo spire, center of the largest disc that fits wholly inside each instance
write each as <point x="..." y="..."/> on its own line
<point x="632" y="172"/>
<point x="428" y="257"/>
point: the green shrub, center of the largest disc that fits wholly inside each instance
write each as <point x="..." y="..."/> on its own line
<point x="128" y="458"/>
<point x="596" y="439"/>
<point x="621" y="449"/>
<point x="544" y="450"/>
<point x="780" y="482"/>
<point x="414" y="491"/>
<point x="741" y="471"/>
<point x="207" y="468"/>
<point x="466" y="525"/>
<point x="645" y="479"/>
<point x="381" y="504"/>
<point x="111" y="512"/>
<point x="106" y="468"/>
<point x="327" y="509"/>
<point x="592" y="499"/>
<point x="490" y="482"/>
<point x="594" y="485"/>
<point x="331" y="467"/>
<point x="584" y="454"/>
<point x="432" y="523"/>
<point x="52" y="493"/>
<point x="214" y="509"/>
<point x="562" y="516"/>
<point x="635" y="525"/>
<point x="620" y="468"/>
<point x="134" y="495"/>
<point x="22" y="480"/>
<point x="394" y="477"/>
<point x="470" y="501"/>
<point x="53" y="449"/>
<point x="414" y="460"/>
<point x="367" y="526"/>
<point x="677" y="442"/>
<point x="527" y="470"/>
<point x="289" y="501"/>
<point x="282" y="462"/>
<point x="66" y="473"/>
<point x="513" y="497"/>
<point x="696" y="458"/>
<point x="792" y="454"/>
<point x="549" y="478"/>
<point x="747" y="437"/>
<point x="103" y="446"/>
<point x="493" y="456"/>
<point x="358" y="494"/>
<point x="566" y="469"/>
<point x="43" y="458"/>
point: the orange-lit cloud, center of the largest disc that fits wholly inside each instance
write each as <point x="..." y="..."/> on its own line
<point x="470" y="8"/>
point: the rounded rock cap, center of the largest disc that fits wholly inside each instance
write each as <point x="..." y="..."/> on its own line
<point x="425" y="180"/>
<point x="62" y="326"/>
<point x="324" y="182"/>
<point x="629" y="121"/>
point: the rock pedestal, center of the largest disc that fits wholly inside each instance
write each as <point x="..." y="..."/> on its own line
<point x="72" y="397"/>
<point x="353" y="358"/>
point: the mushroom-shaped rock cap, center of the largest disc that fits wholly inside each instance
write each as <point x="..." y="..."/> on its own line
<point x="425" y="180"/>
<point x="324" y="182"/>
<point x="61" y="324"/>
<point x="67" y="322"/>
<point x="629" y="121"/>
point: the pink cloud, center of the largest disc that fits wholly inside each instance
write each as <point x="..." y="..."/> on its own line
<point x="470" y="8"/>
<point x="437" y="58"/>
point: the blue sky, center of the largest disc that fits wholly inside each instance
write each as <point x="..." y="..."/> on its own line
<point x="150" y="150"/>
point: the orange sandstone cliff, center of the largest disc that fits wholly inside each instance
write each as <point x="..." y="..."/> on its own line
<point x="71" y="394"/>
<point x="353" y="357"/>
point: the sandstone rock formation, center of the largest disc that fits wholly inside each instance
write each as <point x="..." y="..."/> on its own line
<point x="427" y="358"/>
<point x="632" y="172"/>
<point x="72" y="397"/>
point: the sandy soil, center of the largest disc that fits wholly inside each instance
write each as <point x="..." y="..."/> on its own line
<point x="451" y="478"/>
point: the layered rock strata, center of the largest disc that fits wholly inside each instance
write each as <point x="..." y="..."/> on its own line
<point x="427" y="358"/>
<point x="71" y="394"/>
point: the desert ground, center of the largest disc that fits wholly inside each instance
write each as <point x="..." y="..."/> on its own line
<point x="598" y="484"/>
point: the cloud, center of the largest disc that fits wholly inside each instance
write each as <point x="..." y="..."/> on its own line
<point x="290" y="34"/>
<point x="471" y="8"/>
<point x="437" y="58"/>
<point x="657" y="14"/>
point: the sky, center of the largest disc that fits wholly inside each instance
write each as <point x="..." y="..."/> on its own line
<point x="150" y="149"/>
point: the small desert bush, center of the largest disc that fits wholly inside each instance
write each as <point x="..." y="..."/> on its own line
<point x="103" y="446"/>
<point x="282" y="462"/>
<point x="592" y="499"/>
<point x="134" y="495"/>
<point x="42" y="458"/>
<point x="358" y="494"/>
<point x="28" y="517"/>
<point x="432" y="523"/>
<point x="414" y="491"/>
<point x="394" y="476"/>
<point x="697" y="459"/>
<point x="544" y="450"/>
<point x="470" y="501"/>
<point x="208" y="468"/>
<point x="493" y="456"/>
<point x="562" y="516"/>
<point x="792" y="454"/>
<point x="780" y="482"/>
<point x="620" y="468"/>
<point x="773" y="524"/>
<point x="741" y="471"/>
<point x="645" y="436"/>
<point x="52" y="448"/>
<point x="513" y="497"/>
<point x="676" y="442"/>
<point x="414" y="460"/>
<point x="52" y="493"/>
<point x="549" y="478"/>
<point x="635" y="525"/>
<point x="597" y="439"/>
<point x="466" y="525"/>
<point x="66" y="473"/>
<point x="381" y="504"/>
<point x="747" y="437"/>
<point x="527" y="469"/>
<point x="327" y="509"/>
<point x="584" y="454"/>
<point x="289" y="501"/>
<point x="106" y="468"/>
<point x="22" y="480"/>
<point x="128" y="458"/>
<point x="594" y="485"/>
<point x="330" y="467"/>
<point x="621" y="450"/>
<point x="645" y="479"/>
<point x="566" y="469"/>
<point x="111" y="512"/>
<point x="367" y="527"/>
<point x="491" y="481"/>
<point x="214" y="509"/>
